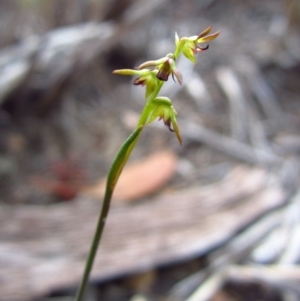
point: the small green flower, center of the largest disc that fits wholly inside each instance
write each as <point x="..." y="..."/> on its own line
<point x="190" y="46"/>
<point x="166" y="66"/>
<point x="162" y="108"/>
<point x="146" y="78"/>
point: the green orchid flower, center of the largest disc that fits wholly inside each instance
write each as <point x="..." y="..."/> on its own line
<point x="162" y="108"/>
<point x="166" y="66"/>
<point x="190" y="46"/>
<point x="146" y="78"/>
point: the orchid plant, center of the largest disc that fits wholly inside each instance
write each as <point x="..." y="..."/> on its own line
<point x="152" y="75"/>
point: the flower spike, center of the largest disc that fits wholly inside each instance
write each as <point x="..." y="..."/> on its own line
<point x="151" y="74"/>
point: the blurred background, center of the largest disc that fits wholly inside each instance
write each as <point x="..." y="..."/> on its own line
<point x="215" y="219"/>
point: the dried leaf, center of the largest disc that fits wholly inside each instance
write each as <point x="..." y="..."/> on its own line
<point x="140" y="178"/>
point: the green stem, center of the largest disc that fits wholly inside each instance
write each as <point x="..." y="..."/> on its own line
<point x="112" y="179"/>
<point x="178" y="49"/>
<point x="145" y="113"/>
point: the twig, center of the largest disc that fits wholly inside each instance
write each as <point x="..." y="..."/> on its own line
<point x="235" y="250"/>
<point x="262" y="91"/>
<point x="65" y="50"/>
<point x="229" y="146"/>
<point x="237" y="102"/>
<point x="285" y="277"/>
<point x="208" y="288"/>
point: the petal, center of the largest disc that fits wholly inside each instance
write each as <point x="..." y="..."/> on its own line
<point x="200" y="49"/>
<point x="175" y="71"/>
<point x="204" y="32"/>
<point x="163" y="75"/>
<point x="152" y="63"/>
<point x="178" y="75"/>
<point x="146" y="64"/>
<point x="143" y="72"/>
<point x="139" y="81"/>
<point x="126" y="72"/>
<point x="175" y="125"/>
<point x="164" y="71"/>
<point x="189" y="54"/>
<point x="192" y="38"/>
<point x="179" y="47"/>
<point x="176" y="39"/>
<point x="177" y="131"/>
<point x="209" y="38"/>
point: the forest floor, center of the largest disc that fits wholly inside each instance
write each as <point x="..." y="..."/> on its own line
<point x="64" y="115"/>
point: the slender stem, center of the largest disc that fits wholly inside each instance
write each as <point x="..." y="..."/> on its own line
<point x="145" y="114"/>
<point x="112" y="179"/>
